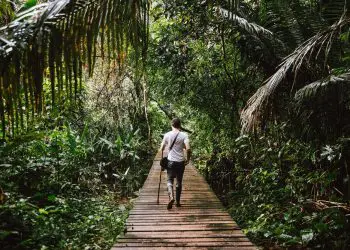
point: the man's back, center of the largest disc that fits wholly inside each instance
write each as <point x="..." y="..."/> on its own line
<point x="176" y="153"/>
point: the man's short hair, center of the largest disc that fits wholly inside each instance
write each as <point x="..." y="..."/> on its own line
<point x="176" y="123"/>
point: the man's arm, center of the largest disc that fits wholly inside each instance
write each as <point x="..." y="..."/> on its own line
<point x="188" y="151"/>
<point x="163" y="144"/>
<point x="188" y="157"/>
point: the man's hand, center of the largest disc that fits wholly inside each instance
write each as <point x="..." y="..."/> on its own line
<point x="188" y="155"/>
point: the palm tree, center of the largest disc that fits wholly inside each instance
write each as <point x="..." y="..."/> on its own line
<point x="307" y="41"/>
<point x="311" y="57"/>
<point x="55" y="40"/>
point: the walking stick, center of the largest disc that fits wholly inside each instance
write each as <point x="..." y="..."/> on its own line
<point x="160" y="179"/>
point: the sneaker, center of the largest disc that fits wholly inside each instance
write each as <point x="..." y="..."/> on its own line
<point x="170" y="204"/>
<point x="178" y="204"/>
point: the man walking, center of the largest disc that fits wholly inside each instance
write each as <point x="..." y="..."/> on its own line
<point x="176" y="157"/>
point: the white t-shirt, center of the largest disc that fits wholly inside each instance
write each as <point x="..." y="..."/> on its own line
<point x="176" y="153"/>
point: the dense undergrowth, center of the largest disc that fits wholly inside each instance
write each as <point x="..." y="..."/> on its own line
<point x="66" y="186"/>
<point x="282" y="191"/>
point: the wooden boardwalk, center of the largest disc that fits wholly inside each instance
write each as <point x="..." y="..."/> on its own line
<point x="200" y="223"/>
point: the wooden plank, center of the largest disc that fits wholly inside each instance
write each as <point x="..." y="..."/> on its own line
<point x="176" y="222"/>
<point x="196" y="239"/>
<point x="201" y="222"/>
<point x="179" y="222"/>
<point x="178" y="215"/>
<point x="186" y="244"/>
<point x="184" y="205"/>
<point x="180" y="248"/>
<point x="182" y="228"/>
<point x="213" y="212"/>
<point x="178" y="219"/>
<point x="186" y="201"/>
<point x="162" y="210"/>
<point x="182" y="234"/>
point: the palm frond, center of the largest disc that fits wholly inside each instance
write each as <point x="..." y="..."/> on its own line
<point x="244" y="24"/>
<point x="320" y="88"/>
<point x="332" y="10"/>
<point x="280" y="19"/>
<point x="322" y="108"/>
<point x="56" y="40"/>
<point x="256" y="41"/>
<point x="257" y="107"/>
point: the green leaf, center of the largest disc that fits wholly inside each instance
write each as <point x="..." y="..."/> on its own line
<point x="30" y="3"/>
<point x="51" y="197"/>
<point x="321" y="227"/>
<point x="43" y="211"/>
<point x="307" y="235"/>
<point x="285" y="237"/>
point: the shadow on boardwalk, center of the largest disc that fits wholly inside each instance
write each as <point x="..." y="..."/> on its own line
<point x="201" y="222"/>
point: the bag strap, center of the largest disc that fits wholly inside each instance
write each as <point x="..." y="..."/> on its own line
<point x="172" y="145"/>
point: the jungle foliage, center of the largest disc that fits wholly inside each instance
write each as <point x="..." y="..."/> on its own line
<point x="55" y="41"/>
<point x="87" y="88"/>
<point x="264" y="87"/>
<point x="66" y="182"/>
<point x="74" y="148"/>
